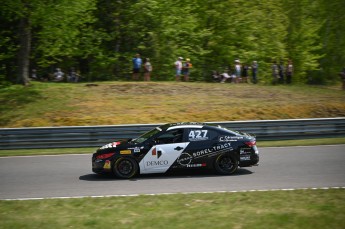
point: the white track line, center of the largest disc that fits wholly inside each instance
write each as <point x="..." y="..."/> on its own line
<point x="184" y="193"/>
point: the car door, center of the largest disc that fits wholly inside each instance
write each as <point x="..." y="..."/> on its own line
<point x="203" y="147"/>
<point x="163" y="154"/>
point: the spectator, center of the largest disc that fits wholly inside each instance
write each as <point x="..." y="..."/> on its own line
<point x="178" y="68"/>
<point x="147" y="70"/>
<point x="227" y="75"/>
<point x="186" y="66"/>
<point x="77" y="76"/>
<point x="289" y="72"/>
<point x="73" y="76"/>
<point x="58" y="75"/>
<point x="281" y="72"/>
<point x="238" y="69"/>
<point x="254" y="71"/>
<point x="34" y="74"/>
<point x="275" y="72"/>
<point x="137" y="62"/>
<point x="342" y="77"/>
<point x="245" y="73"/>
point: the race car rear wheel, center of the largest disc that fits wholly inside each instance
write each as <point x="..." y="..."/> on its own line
<point x="125" y="167"/>
<point x="226" y="164"/>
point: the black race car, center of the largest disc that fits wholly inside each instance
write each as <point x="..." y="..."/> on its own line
<point x="178" y="146"/>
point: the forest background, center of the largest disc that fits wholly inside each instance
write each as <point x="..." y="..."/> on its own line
<point x="100" y="37"/>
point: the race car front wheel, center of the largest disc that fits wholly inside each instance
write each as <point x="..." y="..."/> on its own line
<point x="226" y="164"/>
<point x="125" y="167"/>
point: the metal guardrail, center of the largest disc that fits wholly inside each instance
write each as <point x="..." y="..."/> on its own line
<point x="95" y="136"/>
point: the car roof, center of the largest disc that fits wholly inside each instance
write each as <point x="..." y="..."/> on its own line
<point x="181" y="125"/>
<point x="199" y="125"/>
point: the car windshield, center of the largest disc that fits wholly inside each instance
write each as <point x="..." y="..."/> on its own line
<point x="147" y="135"/>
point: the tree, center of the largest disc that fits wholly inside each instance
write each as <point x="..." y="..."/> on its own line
<point x="19" y="13"/>
<point x="332" y="36"/>
<point x="56" y="26"/>
<point x="101" y="36"/>
<point x="303" y="40"/>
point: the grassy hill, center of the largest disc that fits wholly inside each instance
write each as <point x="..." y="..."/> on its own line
<point x="111" y="103"/>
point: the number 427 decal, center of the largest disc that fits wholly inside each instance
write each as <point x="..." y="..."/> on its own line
<point x="198" y="135"/>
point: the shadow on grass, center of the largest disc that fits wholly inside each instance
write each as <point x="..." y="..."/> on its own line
<point x="170" y="175"/>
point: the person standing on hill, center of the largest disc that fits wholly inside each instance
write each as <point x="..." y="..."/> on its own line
<point x="275" y="72"/>
<point x="238" y="70"/>
<point x="178" y="68"/>
<point x="186" y="66"/>
<point x="58" y="75"/>
<point x="281" y="72"/>
<point x="147" y="70"/>
<point x="137" y="62"/>
<point x="289" y="71"/>
<point x="245" y="69"/>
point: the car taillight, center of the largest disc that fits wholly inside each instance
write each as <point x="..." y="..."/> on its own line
<point x="104" y="156"/>
<point x="251" y="143"/>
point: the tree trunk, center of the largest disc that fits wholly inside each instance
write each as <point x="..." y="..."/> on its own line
<point x="24" y="51"/>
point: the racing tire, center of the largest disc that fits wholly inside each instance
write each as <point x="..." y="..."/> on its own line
<point x="226" y="164"/>
<point x="125" y="167"/>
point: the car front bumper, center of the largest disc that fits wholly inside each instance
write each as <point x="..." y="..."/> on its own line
<point x="101" y="166"/>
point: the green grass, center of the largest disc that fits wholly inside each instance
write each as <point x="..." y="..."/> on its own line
<point x="302" y="142"/>
<point x="307" y="209"/>
<point x="111" y="103"/>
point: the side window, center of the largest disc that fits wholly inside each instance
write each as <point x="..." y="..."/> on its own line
<point x="172" y="136"/>
<point x="201" y="135"/>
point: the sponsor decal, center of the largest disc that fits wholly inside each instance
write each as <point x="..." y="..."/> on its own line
<point x="107" y="165"/>
<point x="245" y="151"/>
<point x="110" y="145"/>
<point x="229" y="138"/>
<point x="125" y="152"/>
<point x="214" y="150"/>
<point x="245" y="158"/>
<point x="156" y="153"/>
<point x="136" y="149"/>
<point x="198" y="135"/>
<point x="157" y="163"/>
<point x="196" y="165"/>
<point x="184" y="159"/>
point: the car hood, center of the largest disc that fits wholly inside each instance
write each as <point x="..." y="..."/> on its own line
<point x="116" y="145"/>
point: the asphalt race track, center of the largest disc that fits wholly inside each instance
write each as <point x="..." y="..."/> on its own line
<point x="71" y="175"/>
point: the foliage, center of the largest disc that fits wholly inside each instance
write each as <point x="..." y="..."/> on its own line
<point x="332" y="36"/>
<point x="303" y="41"/>
<point x="99" y="37"/>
